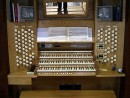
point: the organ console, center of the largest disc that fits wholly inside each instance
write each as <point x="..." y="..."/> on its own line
<point x="78" y="44"/>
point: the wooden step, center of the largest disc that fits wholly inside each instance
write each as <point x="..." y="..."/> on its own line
<point x="68" y="94"/>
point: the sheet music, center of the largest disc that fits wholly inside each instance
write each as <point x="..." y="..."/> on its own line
<point x="58" y="34"/>
<point x="42" y="34"/>
<point x="78" y="33"/>
<point x="89" y="37"/>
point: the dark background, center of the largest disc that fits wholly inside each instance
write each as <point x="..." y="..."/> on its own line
<point x="4" y="63"/>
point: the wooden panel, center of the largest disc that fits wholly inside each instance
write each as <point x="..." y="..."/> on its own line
<point x="20" y="78"/>
<point x="109" y="74"/>
<point x="12" y="38"/>
<point x="118" y="46"/>
<point x="87" y="83"/>
<point x="66" y="23"/>
<point x="21" y="74"/>
<point x="68" y="94"/>
<point x="19" y="81"/>
<point x="11" y="44"/>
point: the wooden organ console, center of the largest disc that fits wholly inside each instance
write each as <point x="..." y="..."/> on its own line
<point x="79" y="47"/>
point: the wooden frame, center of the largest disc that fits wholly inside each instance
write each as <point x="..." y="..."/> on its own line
<point x="67" y="15"/>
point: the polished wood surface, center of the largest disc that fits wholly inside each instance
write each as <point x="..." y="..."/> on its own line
<point x="20" y="78"/>
<point x="109" y="74"/>
<point x="69" y="94"/>
<point x="21" y="74"/>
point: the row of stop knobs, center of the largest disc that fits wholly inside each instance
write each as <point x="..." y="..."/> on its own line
<point x="107" y="36"/>
<point x="24" y="45"/>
